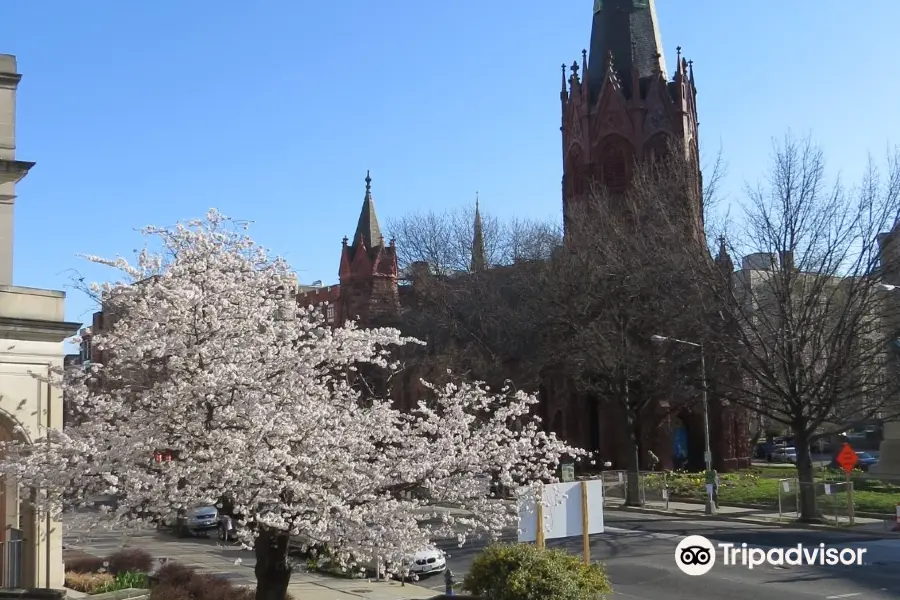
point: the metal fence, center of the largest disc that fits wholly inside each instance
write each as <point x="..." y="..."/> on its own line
<point x="12" y="558"/>
<point x="614" y="487"/>
<point x="834" y="499"/>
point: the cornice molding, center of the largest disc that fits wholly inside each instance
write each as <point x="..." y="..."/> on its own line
<point x="34" y="330"/>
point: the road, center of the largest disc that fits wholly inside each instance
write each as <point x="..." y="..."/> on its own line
<point x="638" y="550"/>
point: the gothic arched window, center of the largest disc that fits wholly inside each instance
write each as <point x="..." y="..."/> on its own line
<point x="658" y="148"/>
<point x="615" y="161"/>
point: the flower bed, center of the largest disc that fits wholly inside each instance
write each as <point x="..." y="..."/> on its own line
<point x="121" y="570"/>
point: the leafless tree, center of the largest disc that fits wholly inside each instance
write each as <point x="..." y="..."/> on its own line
<point x="807" y="318"/>
<point x="444" y="240"/>
<point x="621" y="278"/>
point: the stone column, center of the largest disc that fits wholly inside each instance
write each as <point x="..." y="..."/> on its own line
<point x="11" y="170"/>
<point x="889" y="453"/>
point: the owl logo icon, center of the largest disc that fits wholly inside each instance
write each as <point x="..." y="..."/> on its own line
<point x="695" y="555"/>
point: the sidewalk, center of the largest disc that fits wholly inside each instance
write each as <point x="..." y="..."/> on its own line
<point x="758" y="515"/>
<point x="236" y="565"/>
<point x="311" y="586"/>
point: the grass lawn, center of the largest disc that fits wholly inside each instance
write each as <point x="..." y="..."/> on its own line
<point x="762" y="487"/>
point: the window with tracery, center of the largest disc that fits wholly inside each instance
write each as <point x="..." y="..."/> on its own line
<point x="658" y="148"/>
<point x="615" y="164"/>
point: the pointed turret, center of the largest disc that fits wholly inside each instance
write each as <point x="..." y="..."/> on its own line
<point x="723" y="259"/>
<point x="479" y="260"/>
<point x="368" y="270"/>
<point x="624" y="110"/>
<point x="367" y="229"/>
<point x="628" y="29"/>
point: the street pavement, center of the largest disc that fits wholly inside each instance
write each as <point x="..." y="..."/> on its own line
<point x="638" y="550"/>
<point x="639" y="553"/>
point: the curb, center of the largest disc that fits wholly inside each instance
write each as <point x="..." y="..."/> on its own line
<point x="785" y="525"/>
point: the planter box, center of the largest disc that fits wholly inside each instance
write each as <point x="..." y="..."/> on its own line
<point x="126" y="594"/>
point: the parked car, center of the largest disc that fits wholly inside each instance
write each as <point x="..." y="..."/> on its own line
<point x="427" y="561"/>
<point x="787" y="454"/>
<point x="199" y="520"/>
<point x="866" y="460"/>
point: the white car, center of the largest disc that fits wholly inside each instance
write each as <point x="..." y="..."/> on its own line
<point x="424" y="562"/>
<point x="427" y="561"/>
<point x="785" y="455"/>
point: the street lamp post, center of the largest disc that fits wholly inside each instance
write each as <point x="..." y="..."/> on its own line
<point x="710" y="505"/>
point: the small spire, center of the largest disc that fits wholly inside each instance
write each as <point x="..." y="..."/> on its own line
<point x="479" y="262"/>
<point x="368" y="231"/>
<point x="564" y="93"/>
<point x="584" y="62"/>
<point x="574" y="69"/>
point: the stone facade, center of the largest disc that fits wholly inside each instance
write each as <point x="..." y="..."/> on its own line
<point x="32" y="330"/>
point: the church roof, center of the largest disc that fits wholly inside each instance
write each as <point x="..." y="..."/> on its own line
<point x="368" y="227"/>
<point x="628" y="30"/>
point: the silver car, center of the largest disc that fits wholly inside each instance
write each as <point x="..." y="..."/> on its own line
<point x="199" y="520"/>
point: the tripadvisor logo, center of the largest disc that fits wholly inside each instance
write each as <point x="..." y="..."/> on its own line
<point x="696" y="555"/>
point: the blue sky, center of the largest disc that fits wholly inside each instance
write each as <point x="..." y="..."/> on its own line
<point x="140" y="113"/>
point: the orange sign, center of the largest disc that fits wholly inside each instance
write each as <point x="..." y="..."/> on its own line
<point x="847" y="458"/>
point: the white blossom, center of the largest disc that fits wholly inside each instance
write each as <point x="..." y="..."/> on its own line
<point x="256" y="397"/>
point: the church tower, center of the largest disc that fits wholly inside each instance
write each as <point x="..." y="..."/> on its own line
<point x="619" y="108"/>
<point x="368" y="273"/>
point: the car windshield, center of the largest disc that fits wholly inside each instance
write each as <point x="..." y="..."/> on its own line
<point x="864" y="455"/>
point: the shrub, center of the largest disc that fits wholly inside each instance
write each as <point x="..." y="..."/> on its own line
<point x="89" y="583"/>
<point x="180" y="582"/>
<point x="523" y="572"/>
<point x="175" y="575"/>
<point x="169" y="592"/>
<point x="84" y="563"/>
<point x="130" y="559"/>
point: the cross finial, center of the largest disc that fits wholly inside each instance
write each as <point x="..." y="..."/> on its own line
<point x="574" y="68"/>
<point x="368" y="181"/>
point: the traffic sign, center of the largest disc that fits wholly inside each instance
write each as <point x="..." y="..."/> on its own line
<point x="847" y="458"/>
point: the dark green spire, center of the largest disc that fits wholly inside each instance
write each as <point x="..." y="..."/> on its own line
<point x="368" y="223"/>
<point x="628" y="30"/>
<point x="479" y="261"/>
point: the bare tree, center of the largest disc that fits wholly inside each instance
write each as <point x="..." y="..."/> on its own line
<point x="444" y="240"/>
<point x="805" y="318"/>
<point x="620" y="279"/>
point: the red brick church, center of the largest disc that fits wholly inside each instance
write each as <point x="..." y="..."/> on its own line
<point x="619" y="107"/>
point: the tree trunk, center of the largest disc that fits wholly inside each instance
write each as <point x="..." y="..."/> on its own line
<point x="273" y="572"/>
<point x="805" y="476"/>
<point x="633" y="489"/>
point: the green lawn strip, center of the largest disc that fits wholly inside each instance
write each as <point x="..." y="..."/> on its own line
<point x="750" y="488"/>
